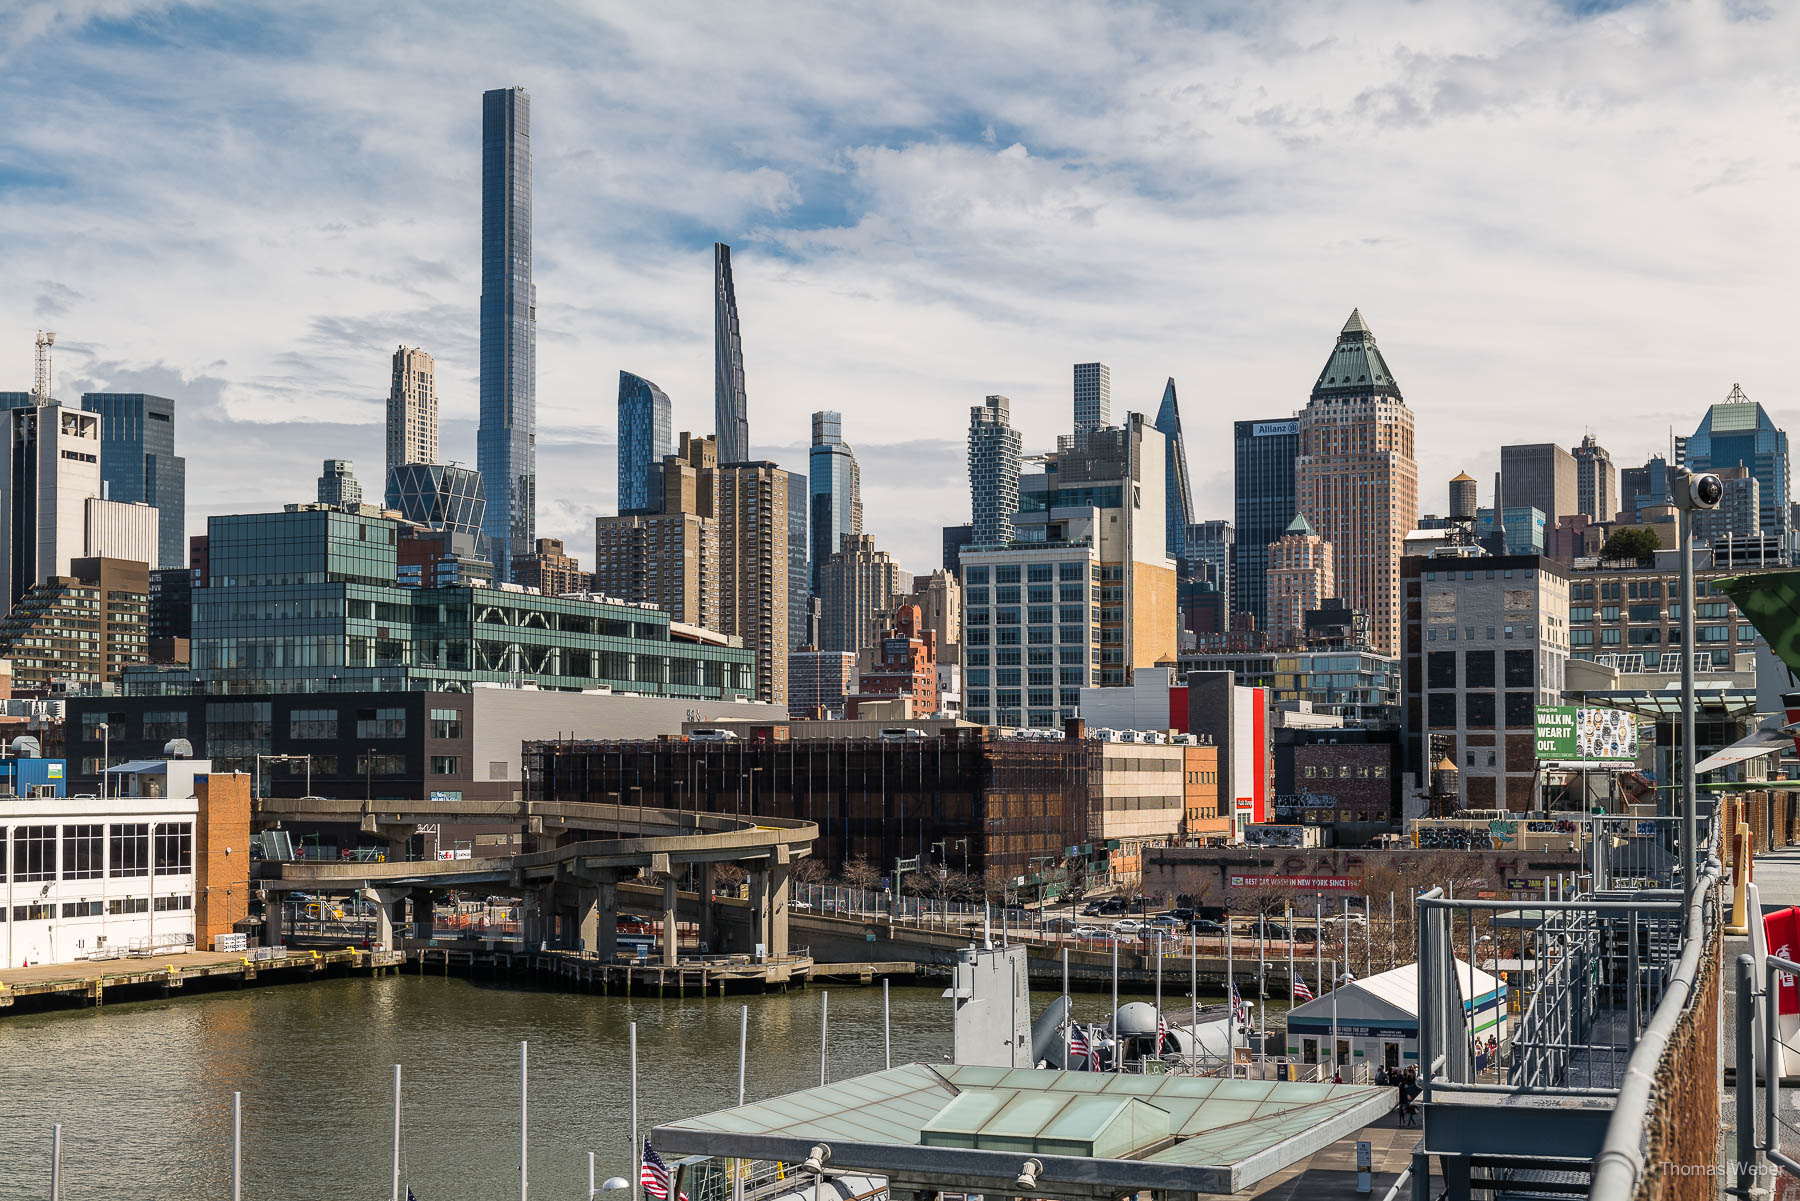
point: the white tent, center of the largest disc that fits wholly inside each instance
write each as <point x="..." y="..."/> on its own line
<point x="1377" y="1019"/>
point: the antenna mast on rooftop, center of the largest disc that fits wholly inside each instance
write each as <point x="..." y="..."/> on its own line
<point x="40" y="384"/>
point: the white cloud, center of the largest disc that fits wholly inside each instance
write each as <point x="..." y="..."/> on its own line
<point x="1553" y="223"/>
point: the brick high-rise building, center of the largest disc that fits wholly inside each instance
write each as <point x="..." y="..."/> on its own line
<point x="668" y="557"/>
<point x="82" y="628"/>
<point x="549" y="569"/>
<point x="905" y="662"/>
<point x="412" y="413"/>
<point x="754" y="567"/>
<point x="1300" y="578"/>
<point x="858" y="587"/>
<point x="1356" y="479"/>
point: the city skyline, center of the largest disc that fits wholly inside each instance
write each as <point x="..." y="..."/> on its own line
<point x="828" y="304"/>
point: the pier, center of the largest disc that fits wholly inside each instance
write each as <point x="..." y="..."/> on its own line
<point x="92" y="982"/>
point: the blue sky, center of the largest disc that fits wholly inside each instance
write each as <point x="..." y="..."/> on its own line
<point x="1556" y="217"/>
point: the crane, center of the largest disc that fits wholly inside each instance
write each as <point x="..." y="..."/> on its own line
<point x="40" y="387"/>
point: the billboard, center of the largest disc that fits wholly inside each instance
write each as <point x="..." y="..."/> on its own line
<point x="1297" y="883"/>
<point x="1566" y="733"/>
<point x="1274" y="429"/>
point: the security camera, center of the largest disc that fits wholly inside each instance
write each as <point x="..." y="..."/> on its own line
<point x="815" y="1162"/>
<point x="1028" y="1174"/>
<point x="1698" y="491"/>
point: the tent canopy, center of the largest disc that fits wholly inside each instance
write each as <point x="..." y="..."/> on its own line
<point x="1392" y="994"/>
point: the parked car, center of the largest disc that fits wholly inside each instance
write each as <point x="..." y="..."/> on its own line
<point x="1113" y="905"/>
<point x="1182" y="913"/>
<point x="1165" y="920"/>
<point x="1127" y="925"/>
<point x="1270" y="930"/>
<point x="1089" y="932"/>
<point x="1093" y="908"/>
<point x="1205" y="925"/>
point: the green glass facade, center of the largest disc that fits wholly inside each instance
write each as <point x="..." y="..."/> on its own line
<point x="307" y="600"/>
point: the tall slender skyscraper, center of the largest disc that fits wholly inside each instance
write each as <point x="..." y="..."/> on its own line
<point x="993" y="471"/>
<point x="731" y="411"/>
<point x="1264" y="484"/>
<point x="1596" y="484"/>
<point x="1093" y="396"/>
<point x="1179" y="509"/>
<point x="645" y="436"/>
<point x="506" y="443"/>
<point x="412" y="414"/>
<point x="836" y="492"/>
<point x="1356" y="479"/>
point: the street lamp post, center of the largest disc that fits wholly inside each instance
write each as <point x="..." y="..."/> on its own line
<point x="105" y="758"/>
<point x="1691" y="492"/>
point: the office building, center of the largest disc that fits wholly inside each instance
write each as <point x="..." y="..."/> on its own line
<point x="940" y="600"/>
<point x="1487" y="640"/>
<point x="1738" y="432"/>
<point x="116" y="530"/>
<point x="818" y="682"/>
<point x="1263" y="454"/>
<point x="1358" y="685"/>
<point x="731" y="407"/>
<point x="956" y="537"/>
<point x="81" y="629"/>
<point x="1093" y="396"/>
<point x="904" y="663"/>
<point x="668" y="556"/>
<point x="800" y="604"/>
<point x="1300" y="578"/>
<point x="412" y="413"/>
<point x="993" y="472"/>
<point x="549" y="569"/>
<point x="309" y="600"/>
<point x="1179" y="505"/>
<point x="1210" y="555"/>
<point x="646" y="419"/>
<point x="836" y="491"/>
<point x="138" y="464"/>
<point x="337" y="485"/>
<point x="442" y="496"/>
<point x="1356" y="479"/>
<point x="435" y="557"/>
<point x="754" y="569"/>
<point x="1540" y="475"/>
<point x="143" y="864"/>
<point x="506" y="440"/>
<point x="1635" y="610"/>
<point x="171" y="603"/>
<point x="1596" y="483"/>
<point x="1524" y="529"/>
<point x="52" y="477"/>
<point x="859" y="586"/>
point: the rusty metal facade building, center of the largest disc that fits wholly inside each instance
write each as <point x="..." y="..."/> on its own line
<point x="1013" y="811"/>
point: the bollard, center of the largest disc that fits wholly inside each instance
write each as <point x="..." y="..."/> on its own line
<point x="1740" y="876"/>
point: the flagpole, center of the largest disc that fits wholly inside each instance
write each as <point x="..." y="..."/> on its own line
<point x="1262" y="992"/>
<point x="637" y="1148"/>
<point x="737" y="1165"/>
<point x="1336" y="1065"/>
<point x="396" y="1132"/>
<point x="1319" y="943"/>
<point x="824" y="1020"/>
<point x="1068" y="1010"/>
<point x="1292" y="991"/>
<point x="1115" y="1012"/>
<point x="524" y="1139"/>
<point x="1194" y="998"/>
<point x="1230" y="1006"/>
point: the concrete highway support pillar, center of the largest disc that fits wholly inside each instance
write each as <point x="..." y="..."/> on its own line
<point x="759" y="910"/>
<point x="390" y="913"/>
<point x="709" y="912"/>
<point x="779" y="871"/>
<point x="606" y="920"/>
<point x="424" y="906"/>
<point x="275" y="920"/>
<point x="671" y="950"/>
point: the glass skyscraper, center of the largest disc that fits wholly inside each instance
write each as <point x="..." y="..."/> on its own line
<point x="1264" y="454"/>
<point x="836" y="490"/>
<point x="1738" y="432"/>
<point x="1179" y="510"/>
<point x="439" y="495"/>
<point x="506" y="443"/>
<point x="646" y="434"/>
<point x="731" y="409"/>
<point x="799" y="574"/>
<point x="138" y="463"/>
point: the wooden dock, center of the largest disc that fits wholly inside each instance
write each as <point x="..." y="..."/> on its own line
<point x="863" y="973"/>
<point x="588" y="973"/>
<point x="93" y="982"/>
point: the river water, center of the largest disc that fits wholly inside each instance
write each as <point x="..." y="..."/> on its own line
<point x="143" y="1089"/>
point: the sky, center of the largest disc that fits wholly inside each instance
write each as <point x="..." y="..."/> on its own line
<point x="1558" y="218"/>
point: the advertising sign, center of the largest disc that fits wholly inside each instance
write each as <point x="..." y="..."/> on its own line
<point x="1299" y="883"/>
<point x="1566" y="733"/>
<point x="1268" y="429"/>
<point x="1781" y="931"/>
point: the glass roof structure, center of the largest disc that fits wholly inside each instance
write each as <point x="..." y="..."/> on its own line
<point x="1096" y="1134"/>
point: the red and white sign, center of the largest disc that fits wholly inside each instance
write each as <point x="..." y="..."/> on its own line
<point x="1300" y="883"/>
<point x="1781" y="932"/>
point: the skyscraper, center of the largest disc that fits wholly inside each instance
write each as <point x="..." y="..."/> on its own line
<point x="1093" y="396"/>
<point x="1263" y="460"/>
<point x="799" y="552"/>
<point x="1596" y="485"/>
<point x="1179" y="509"/>
<point x="506" y="443"/>
<point x="859" y="586"/>
<point x="1738" y="432"/>
<point x="645" y="436"/>
<point x="836" y="491"/>
<point x="754" y="567"/>
<point x="668" y="553"/>
<point x="1356" y="479"/>
<point x="993" y="472"/>
<point x="48" y="483"/>
<point x="338" y="486"/>
<point x="412" y="413"/>
<point x="1539" y="475"/>
<point x="731" y="410"/>
<point x="1300" y="577"/>
<point x="138" y="463"/>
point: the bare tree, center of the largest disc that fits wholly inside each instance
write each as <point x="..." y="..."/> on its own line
<point x="860" y="873"/>
<point x="809" y="870"/>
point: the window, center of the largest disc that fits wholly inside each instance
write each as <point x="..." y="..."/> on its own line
<point x="1478" y="669"/>
<point x="1441" y="710"/>
<point x="33" y="912"/>
<point x="84" y="852"/>
<point x="383" y="765"/>
<point x="1039" y="573"/>
<point x="129" y="850"/>
<point x="1521" y="711"/>
<point x="1006" y="573"/>
<point x="975" y="575"/>
<point x="162" y="725"/>
<point x="381" y="723"/>
<point x="1441" y="669"/>
<point x="444" y="765"/>
<point x="1071" y="571"/>
<point x="173" y="904"/>
<point x="446" y="723"/>
<point x="1644" y="613"/>
<point x="313" y="724"/>
<point x="81" y="909"/>
<point x="1643" y="637"/>
<point x="1006" y="596"/>
<point x="1479" y="709"/>
<point x="175" y="848"/>
<point x="1610" y="636"/>
<point x="34" y="853"/>
<point x="119" y="905"/>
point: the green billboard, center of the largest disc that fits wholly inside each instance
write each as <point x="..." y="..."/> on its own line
<point x="1568" y="734"/>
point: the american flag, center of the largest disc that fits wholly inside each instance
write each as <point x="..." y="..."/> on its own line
<point x="1082" y="1051"/>
<point x="655" y="1175"/>
<point x="1301" y="991"/>
<point x="1162" y="1032"/>
<point x="1239" y="1010"/>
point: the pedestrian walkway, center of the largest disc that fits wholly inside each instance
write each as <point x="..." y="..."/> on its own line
<point x="1777" y="876"/>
